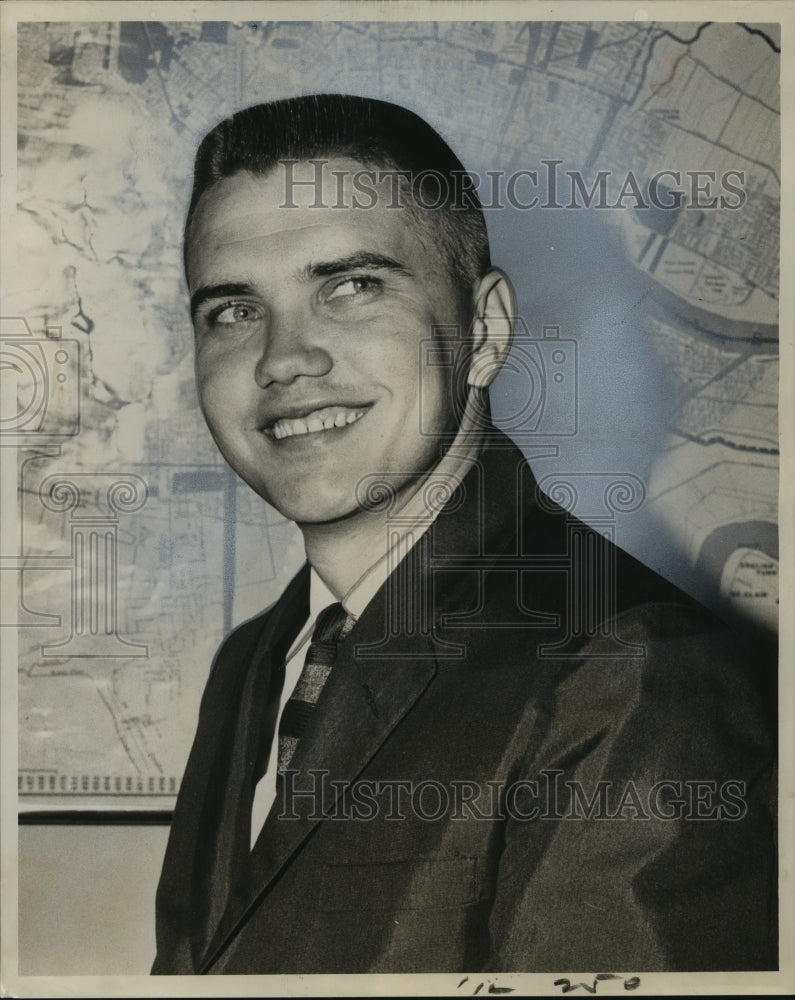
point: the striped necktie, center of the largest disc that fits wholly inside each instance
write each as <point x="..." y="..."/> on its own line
<point x="333" y="624"/>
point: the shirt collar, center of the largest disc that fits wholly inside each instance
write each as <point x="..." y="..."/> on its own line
<point x="319" y="598"/>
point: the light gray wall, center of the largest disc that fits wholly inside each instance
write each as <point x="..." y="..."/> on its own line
<point x="87" y="897"/>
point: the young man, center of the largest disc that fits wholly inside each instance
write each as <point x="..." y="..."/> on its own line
<point x="509" y="746"/>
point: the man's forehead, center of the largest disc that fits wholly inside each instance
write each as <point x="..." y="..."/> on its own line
<point x="297" y="203"/>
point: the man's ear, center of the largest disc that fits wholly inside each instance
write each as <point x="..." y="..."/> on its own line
<point x="492" y="327"/>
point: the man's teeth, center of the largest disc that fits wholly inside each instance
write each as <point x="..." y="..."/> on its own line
<point x="320" y="420"/>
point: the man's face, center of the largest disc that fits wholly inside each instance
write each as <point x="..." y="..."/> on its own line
<point x="309" y="323"/>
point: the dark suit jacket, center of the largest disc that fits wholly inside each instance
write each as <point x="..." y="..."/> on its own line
<point x="512" y="645"/>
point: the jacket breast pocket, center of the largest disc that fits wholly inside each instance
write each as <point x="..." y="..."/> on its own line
<point x="410" y="884"/>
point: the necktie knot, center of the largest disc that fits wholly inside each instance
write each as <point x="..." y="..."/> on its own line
<point x="332" y="625"/>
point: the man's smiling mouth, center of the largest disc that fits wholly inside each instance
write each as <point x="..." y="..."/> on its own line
<point x="325" y="419"/>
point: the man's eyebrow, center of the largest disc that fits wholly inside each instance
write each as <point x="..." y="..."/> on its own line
<point x="222" y="291"/>
<point x="362" y="260"/>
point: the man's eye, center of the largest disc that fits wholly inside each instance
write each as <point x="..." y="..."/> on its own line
<point x="353" y="287"/>
<point x="232" y="313"/>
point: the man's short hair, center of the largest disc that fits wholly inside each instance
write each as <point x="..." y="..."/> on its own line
<point x="435" y="187"/>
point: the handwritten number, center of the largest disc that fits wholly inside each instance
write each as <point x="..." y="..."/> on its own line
<point x="492" y="987"/>
<point x="566" y="985"/>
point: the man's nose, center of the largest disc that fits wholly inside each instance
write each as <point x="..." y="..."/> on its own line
<point x="289" y="350"/>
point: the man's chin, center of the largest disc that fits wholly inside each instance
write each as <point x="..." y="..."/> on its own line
<point x="329" y="519"/>
<point x="317" y="513"/>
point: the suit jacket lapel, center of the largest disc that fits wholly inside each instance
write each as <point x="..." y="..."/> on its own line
<point x="361" y="703"/>
<point x="223" y="815"/>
